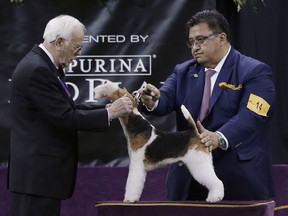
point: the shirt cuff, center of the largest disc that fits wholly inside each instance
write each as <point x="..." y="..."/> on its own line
<point x="154" y="107"/>
<point x="106" y="107"/>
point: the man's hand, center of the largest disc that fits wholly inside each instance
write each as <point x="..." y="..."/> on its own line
<point x="149" y="95"/>
<point x="208" y="138"/>
<point x="120" y="107"/>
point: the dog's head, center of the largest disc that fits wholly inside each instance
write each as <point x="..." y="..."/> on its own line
<point x="112" y="91"/>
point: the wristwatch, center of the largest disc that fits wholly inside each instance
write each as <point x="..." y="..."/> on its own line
<point x="222" y="143"/>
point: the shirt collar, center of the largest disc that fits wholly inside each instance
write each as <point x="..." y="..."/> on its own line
<point x="49" y="54"/>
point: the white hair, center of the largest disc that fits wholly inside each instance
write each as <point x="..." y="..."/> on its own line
<point x="61" y="26"/>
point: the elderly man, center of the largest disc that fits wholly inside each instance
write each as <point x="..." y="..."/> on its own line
<point x="44" y="149"/>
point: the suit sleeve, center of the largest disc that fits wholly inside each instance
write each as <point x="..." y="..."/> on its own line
<point x="255" y="107"/>
<point x="47" y="95"/>
<point x="166" y="103"/>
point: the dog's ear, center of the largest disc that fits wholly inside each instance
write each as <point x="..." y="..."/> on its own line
<point x="122" y="92"/>
<point x="128" y="94"/>
<point x="125" y="91"/>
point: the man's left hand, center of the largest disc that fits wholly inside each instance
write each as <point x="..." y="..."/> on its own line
<point x="208" y="138"/>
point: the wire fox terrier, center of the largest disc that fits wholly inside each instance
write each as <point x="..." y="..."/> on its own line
<point x="150" y="148"/>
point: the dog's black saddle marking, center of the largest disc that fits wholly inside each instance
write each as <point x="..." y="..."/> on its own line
<point x="168" y="145"/>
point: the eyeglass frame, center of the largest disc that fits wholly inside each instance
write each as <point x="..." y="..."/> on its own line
<point x="201" y="40"/>
<point x="75" y="48"/>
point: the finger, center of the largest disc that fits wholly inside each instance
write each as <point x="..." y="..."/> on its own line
<point x="208" y="143"/>
<point x="129" y="109"/>
<point x="204" y="136"/>
<point x="210" y="148"/>
<point x="127" y="99"/>
<point x="200" y="127"/>
<point x="146" y="98"/>
<point x="151" y="89"/>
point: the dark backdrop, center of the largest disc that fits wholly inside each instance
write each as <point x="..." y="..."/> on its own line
<point x="144" y="31"/>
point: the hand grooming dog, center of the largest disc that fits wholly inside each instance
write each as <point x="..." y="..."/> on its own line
<point x="150" y="148"/>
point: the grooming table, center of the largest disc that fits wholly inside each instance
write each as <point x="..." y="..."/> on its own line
<point x="239" y="208"/>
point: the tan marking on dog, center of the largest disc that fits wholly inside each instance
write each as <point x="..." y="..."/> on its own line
<point x="120" y="93"/>
<point x="197" y="145"/>
<point x="138" y="142"/>
<point x="148" y="162"/>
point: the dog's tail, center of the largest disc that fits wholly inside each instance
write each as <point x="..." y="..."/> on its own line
<point x="189" y="118"/>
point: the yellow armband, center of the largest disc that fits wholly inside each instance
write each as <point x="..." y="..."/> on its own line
<point x="258" y="105"/>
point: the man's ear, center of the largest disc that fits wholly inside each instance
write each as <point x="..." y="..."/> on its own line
<point x="223" y="37"/>
<point x="59" y="42"/>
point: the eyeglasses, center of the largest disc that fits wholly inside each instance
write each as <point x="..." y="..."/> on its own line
<point x="200" y="40"/>
<point x="76" y="48"/>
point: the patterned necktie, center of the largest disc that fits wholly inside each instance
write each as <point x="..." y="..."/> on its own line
<point x="206" y="94"/>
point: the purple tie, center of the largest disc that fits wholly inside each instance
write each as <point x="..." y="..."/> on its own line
<point x="206" y="94"/>
<point x="64" y="86"/>
<point x="61" y="72"/>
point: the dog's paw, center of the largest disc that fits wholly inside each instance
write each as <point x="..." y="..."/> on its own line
<point x="129" y="201"/>
<point x="215" y="195"/>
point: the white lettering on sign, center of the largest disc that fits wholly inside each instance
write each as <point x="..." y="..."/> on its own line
<point x="115" y="38"/>
<point x="113" y="65"/>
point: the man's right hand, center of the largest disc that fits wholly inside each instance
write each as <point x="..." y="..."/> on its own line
<point x="120" y="107"/>
<point x="150" y="95"/>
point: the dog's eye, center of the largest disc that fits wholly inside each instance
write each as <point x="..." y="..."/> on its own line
<point x="105" y="81"/>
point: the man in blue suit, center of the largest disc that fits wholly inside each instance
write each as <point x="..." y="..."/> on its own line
<point x="237" y="122"/>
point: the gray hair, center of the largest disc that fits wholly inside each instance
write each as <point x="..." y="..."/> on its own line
<point x="61" y="26"/>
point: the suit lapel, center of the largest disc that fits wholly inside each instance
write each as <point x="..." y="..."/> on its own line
<point x="46" y="58"/>
<point x="195" y="88"/>
<point x="57" y="73"/>
<point x="223" y="76"/>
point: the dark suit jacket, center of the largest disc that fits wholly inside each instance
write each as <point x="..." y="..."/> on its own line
<point x="238" y="112"/>
<point x="44" y="149"/>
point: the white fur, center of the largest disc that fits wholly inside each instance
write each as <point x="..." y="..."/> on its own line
<point x="199" y="163"/>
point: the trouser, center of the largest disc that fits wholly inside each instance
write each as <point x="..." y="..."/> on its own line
<point x="31" y="205"/>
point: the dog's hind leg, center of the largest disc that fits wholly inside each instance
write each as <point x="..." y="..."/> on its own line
<point x="136" y="180"/>
<point x="200" y="165"/>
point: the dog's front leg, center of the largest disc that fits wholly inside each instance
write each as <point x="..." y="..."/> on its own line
<point x="136" y="178"/>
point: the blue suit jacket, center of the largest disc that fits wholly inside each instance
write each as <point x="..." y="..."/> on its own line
<point x="237" y="112"/>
